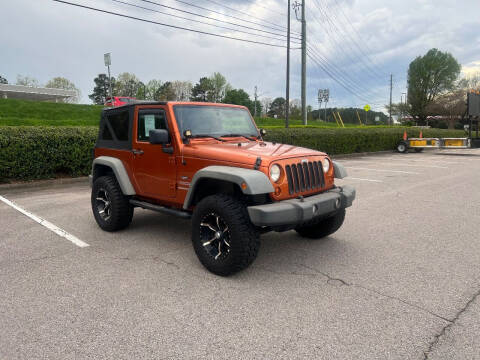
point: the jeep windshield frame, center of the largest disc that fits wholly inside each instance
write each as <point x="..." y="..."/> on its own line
<point x="214" y="121"/>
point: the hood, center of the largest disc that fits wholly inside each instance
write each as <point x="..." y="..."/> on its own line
<point x="247" y="152"/>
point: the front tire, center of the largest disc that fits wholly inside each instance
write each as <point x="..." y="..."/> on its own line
<point x="318" y="229"/>
<point x="111" y="209"/>
<point x="223" y="237"/>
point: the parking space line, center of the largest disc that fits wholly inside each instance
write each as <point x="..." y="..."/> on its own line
<point x="407" y="165"/>
<point x="360" y="179"/>
<point x="381" y="170"/>
<point x="45" y="223"/>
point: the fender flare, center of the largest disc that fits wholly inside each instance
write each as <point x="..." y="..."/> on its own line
<point x="340" y="171"/>
<point x="119" y="170"/>
<point x="256" y="181"/>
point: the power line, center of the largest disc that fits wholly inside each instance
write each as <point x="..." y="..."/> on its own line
<point x="353" y="83"/>
<point x="245" y="13"/>
<point x="214" y="19"/>
<point x="168" y="25"/>
<point x="337" y="45"/>
<point x="338" y="78"/>
<point x="230" y="16"/>
<point x="370" y="67"/>
<point x="197" y="21"/>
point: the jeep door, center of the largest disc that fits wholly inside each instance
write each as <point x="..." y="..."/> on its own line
<point x="153" y="164"/>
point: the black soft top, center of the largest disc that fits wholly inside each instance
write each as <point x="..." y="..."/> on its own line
<point x="137" y="102"/>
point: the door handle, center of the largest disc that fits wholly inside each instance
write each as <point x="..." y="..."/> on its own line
<point x="137" y="152"/>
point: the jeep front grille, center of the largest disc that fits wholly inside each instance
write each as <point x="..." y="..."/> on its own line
<point x="305" y="176"/>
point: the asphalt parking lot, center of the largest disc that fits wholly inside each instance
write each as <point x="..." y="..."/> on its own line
<point x="400" y="280"/>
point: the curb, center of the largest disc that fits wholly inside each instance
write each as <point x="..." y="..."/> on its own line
<point x="347" y="156"/>
<point x="44" y="183"/>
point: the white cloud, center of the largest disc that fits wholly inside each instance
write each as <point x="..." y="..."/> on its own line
<point x="46" y="39"/>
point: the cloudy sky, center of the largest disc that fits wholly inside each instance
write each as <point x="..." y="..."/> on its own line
<point x="353" y="44"/>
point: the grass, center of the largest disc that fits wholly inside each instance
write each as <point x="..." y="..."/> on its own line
<point x="271" y="123"/>
<point x="35" y="113"/>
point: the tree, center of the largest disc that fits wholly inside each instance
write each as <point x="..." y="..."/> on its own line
<point x="3" y="80"/>
<point x="201" y="91"/>
<point x="451" y="106"/>
<point x="101" y="91"/>
<point x="429" y="76"/>
<point x="127" y="84"/>
<point x="219" y="87"/>
<point x="470" y="82"/>
<point x="65" y="84"/>
<point x="266" y="102"/>
<point x="151" y="89"/>
<point x="27" y="81"/>
<point x="182" y="89"/>
<point x="166" y="92"/>
<point x="277" y="108"/>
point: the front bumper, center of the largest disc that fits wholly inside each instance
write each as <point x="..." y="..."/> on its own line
<point x="300" y="210"/>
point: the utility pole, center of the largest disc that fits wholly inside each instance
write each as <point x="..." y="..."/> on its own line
<point x="304" y="65"/>
<point x="391" y="90"/>
<point x="287" y="97"/>
<point x="327" y="99"/>
<point x="255" y="104"/>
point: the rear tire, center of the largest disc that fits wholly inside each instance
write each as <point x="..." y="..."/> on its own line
<point x="223" y="237"/>
<point x="111" y="209"/>
<point x="318" y="229"/>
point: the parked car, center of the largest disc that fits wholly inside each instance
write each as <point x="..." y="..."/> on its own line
<point x="209" y="162"/>
<point x="119" y="101"/>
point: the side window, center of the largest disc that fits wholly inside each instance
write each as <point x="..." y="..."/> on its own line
<point x="150" y="120"/>
<point x="119" y="123"/>
<point x="106" y="135"/>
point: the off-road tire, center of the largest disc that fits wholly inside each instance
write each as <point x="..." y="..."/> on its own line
<point x="243" y="239"/>
<point x="318" y="229"/>
<point x="121" y="211"/>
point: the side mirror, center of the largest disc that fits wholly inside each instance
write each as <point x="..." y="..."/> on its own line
<point x="159" y="137"/>
<point x="263" y="132"/>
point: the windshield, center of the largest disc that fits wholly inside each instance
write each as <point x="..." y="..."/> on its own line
<point x="214" y="121"/>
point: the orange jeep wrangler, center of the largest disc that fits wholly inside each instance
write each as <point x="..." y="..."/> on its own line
<point x="209" y="162"/>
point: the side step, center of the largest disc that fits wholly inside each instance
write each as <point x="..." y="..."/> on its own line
<point x="162" y="209"/>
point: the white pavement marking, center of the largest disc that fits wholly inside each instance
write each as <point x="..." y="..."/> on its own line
<point x="392" y="171"/>
<point x="359" y="179"/>
<point x="45" y="223"/>
<point x="401" y="164"/>
<point x="422" y="166"/>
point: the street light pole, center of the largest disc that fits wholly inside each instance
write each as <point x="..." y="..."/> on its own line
<point x="108" y="61"/>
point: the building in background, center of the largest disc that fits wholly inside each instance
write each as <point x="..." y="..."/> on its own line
<point x="34" y="93"/>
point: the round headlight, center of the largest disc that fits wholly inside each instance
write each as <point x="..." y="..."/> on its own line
<point x="326" y="165"/>
<point x="275" y="173"/>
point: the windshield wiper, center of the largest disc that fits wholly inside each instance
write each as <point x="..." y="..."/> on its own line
<point x="251" y="138"/>
<point x="207" y="136"/>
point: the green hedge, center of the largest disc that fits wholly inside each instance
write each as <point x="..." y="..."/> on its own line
<point x="348" y="141"/>
<point x="28" y="153"/>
